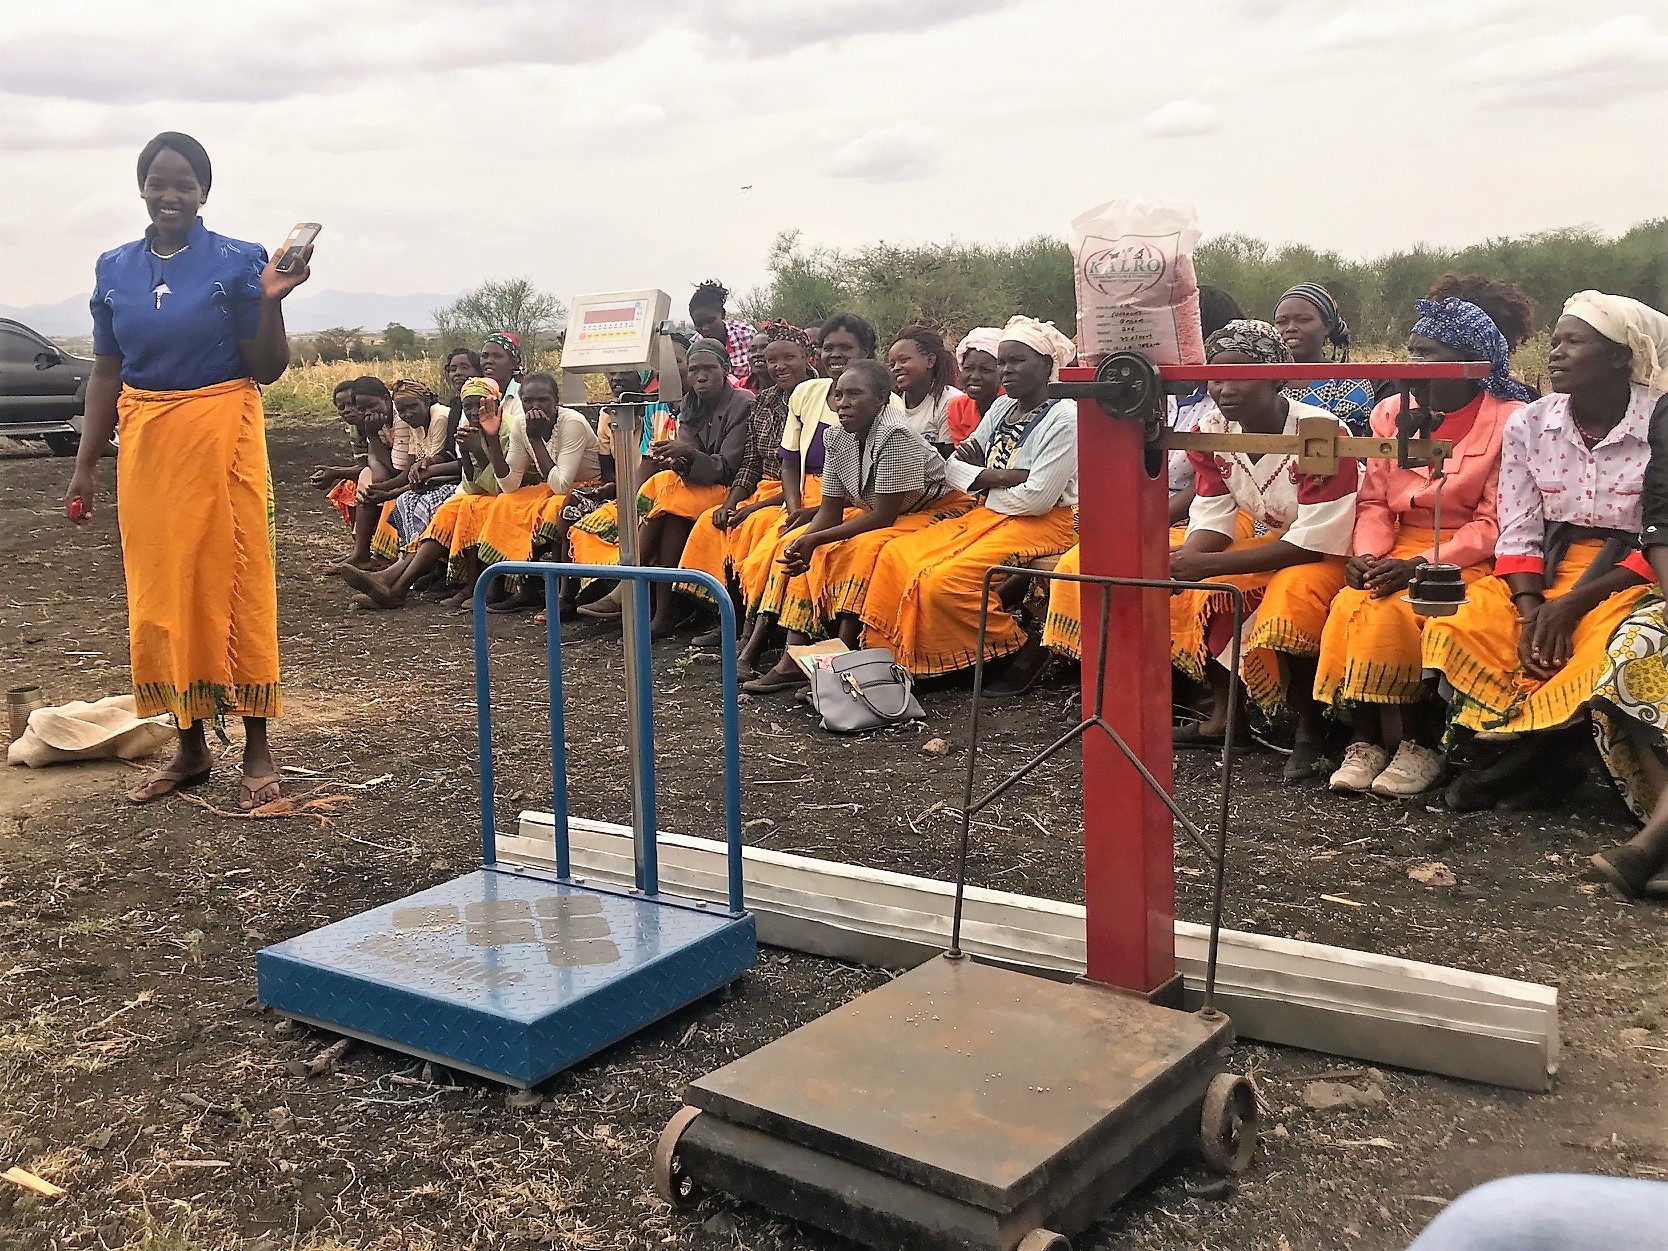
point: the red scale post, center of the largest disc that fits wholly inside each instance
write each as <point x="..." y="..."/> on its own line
<point x="1129" y="889"/>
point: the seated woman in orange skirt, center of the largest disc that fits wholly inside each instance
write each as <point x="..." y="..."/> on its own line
<point x="1369" y="665"/>
<point x="1020" y="462"/>
<point x="1289" y="574"/>
<point x="561" y="454"/>
<point x="696" y="468"/>
<point x="1523" y="654"/>
<point x="725" y="536"/>
<point x="881" y="480"/>
<point x="499" y="443"/>
<point x="845" y="337"/>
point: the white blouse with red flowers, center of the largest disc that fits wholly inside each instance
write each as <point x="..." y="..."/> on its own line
<point x="1548" y="473"/>
<point x="1307" y="511"/>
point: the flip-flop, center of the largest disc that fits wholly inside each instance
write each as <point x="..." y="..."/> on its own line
<point x="366" y="585"/>
<point x="178" y="782"/>
<point x="249" y="787"/>
<point x="1187" y="735"/>
<point x="1657" y="887"/>
<point x="597" y="612"/>
<point x="775" y="682"/>
<point x="365" y="603"/>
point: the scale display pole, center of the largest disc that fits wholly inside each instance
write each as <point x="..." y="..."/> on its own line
<point x="1128" y="849"/>
<point x="618" y="331"/>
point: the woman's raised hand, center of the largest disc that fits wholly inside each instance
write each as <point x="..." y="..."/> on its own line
<point x="276" y="285"/>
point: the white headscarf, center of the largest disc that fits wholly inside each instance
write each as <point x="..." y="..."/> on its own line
<point x="1041" y="337"/>
<point x="985" y="339"/>
<point x="1637" y="327"/>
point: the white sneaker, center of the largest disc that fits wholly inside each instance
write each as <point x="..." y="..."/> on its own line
<point x="1362" y="763"/>
<point x="1413" y="772"/>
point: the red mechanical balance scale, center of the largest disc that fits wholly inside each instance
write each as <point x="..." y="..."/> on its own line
<point x="971" y="1104"/>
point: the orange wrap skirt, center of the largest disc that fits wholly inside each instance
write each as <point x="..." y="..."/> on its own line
<point x="195" y="508"/>
<point x="926" y="593"/>
<point x="1370" y="647"/>
<point x="1475" y="650"/>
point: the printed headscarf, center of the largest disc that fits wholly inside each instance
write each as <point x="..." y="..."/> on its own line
<point x="1637" y="327"/>
<point x="1320" y="299"/>
<point x="1256" y="339"/>
<point x="486" y="388"/>
<point x="415" y="390"/>
<point x="1461" y="325"/>
<point x="512" y="345"/>
<point x="782" y="332"/>
<point x="984" y="339"/>
<point x="713" y="348"/>
<point x="1043" y="338"/>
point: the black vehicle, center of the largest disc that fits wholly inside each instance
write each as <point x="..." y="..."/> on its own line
<point x="43" y="389"/>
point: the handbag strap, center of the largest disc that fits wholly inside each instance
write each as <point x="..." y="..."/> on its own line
<point x="905" y="684"/>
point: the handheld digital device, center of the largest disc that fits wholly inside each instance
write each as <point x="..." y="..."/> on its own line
<point x="301" y="238"/>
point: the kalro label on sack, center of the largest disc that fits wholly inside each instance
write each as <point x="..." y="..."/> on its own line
<point x="1128" y="268"/>
<point x="1136" y="289"/>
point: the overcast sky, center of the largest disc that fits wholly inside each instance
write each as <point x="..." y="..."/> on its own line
<point x="605" y="145"/>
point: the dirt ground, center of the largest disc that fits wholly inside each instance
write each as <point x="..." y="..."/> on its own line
<point x="138" y="1072"/>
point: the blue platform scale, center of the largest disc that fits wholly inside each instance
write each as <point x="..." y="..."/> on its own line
<point x="515" y="973"/>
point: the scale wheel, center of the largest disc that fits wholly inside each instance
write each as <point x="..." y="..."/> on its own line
<point x="1043" y="1240"/>
<point x="1228" y="1123"/>
<point x="671" y="1182"/>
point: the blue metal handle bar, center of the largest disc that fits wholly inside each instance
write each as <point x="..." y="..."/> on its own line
<point x="641" y="576"/>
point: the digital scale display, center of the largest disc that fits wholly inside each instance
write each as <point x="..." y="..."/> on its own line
<point x="613" y="331"/>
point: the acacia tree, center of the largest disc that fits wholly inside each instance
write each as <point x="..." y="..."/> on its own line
<point x="515" y="305"/>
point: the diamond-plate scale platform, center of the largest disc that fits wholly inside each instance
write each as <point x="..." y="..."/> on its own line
<point x="512" y="973"/>
<point x="504" y="974"/>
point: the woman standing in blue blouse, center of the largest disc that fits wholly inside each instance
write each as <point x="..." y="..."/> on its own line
<point x="186" y="322"/>
<point x="1313" y="330"/>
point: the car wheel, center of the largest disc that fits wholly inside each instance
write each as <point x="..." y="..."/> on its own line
<point x="63" y="444"/>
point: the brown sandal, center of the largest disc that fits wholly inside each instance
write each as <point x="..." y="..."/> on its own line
<point x="173" y="782"/>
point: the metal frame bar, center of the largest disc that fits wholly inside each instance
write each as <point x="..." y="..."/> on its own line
<point x="643" y="760"/>
<point x="1370" y="371"/>
<point x="1217" y="855"/>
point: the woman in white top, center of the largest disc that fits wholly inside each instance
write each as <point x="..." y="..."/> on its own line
<point x="922" y="373"/>
<point x="552" y="446"/>
<point x="1289" y="574"/>
<point x="426" y="469"/>
<point x="1020" y="463"/>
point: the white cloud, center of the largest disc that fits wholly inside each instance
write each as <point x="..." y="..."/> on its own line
<point x="1182" y="118"/>
<point x="1391" y="23"/>
<point x="640" y="113"/>
<point x="1613" y="60"/>
<point x="904" y="150"/>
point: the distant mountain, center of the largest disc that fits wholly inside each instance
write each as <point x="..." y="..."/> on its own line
<point x="304" y="312"/>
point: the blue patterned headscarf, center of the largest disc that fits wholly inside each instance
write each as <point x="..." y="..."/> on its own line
<point x="1464" y="327"/>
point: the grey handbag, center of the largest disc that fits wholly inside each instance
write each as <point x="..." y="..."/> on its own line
<point x="866" y="690"/>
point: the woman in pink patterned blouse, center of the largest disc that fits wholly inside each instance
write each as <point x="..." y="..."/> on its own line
<point x="1521" y="658"/>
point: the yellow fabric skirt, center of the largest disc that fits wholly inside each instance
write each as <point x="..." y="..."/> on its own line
<point x="195" y="508"/>
<point x="595" y="540"/>
<point x="927" y="588"/>
<point x="1476" y="651"/>
<point x="1192" y="613"/>
<point x="457" y="527"/>
<point x="1290" y="619"/>
<point x="754" y="570"/>
<point x="666" y="493"/>
<point x="385" y="542"/>
<point x="718" y="552"/>
<point x="1063" y="626"/>
<point x="1370" y="647"/>
<point x="838" y="579"/>
<point x="510" y="522"/>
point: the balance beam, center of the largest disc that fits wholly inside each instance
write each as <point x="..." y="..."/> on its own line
<point x="1378" y="1009"/>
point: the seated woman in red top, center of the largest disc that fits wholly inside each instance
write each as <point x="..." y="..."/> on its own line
<point x="1369" y="660"/>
